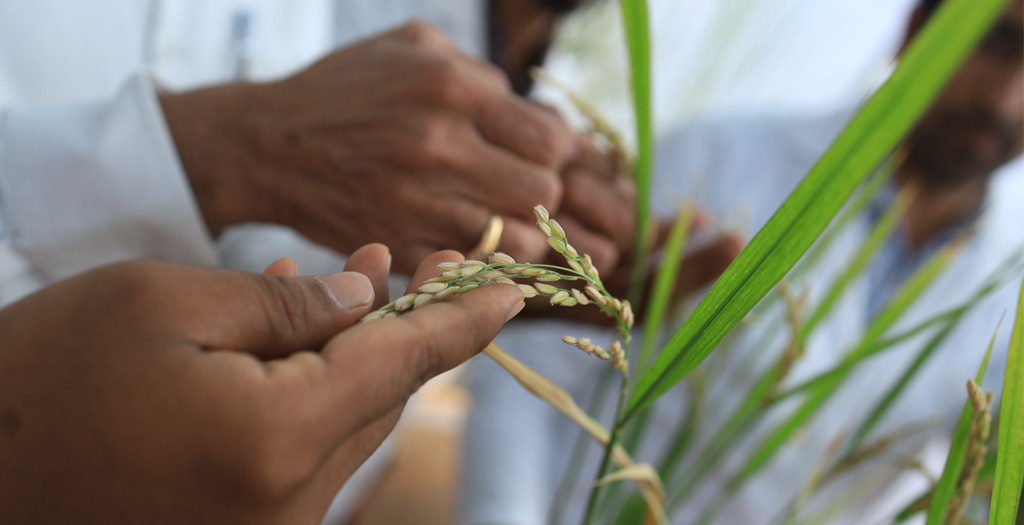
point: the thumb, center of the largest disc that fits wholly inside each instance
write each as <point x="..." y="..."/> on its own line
<point x="272" y="316"/>
<point x="371" y="370"/>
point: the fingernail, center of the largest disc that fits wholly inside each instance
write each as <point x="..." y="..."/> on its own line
<point x="516" y="308"/>
<point x="348" y="289"/>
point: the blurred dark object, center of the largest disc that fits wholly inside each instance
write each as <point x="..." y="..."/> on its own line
<point x="520" y="35"/>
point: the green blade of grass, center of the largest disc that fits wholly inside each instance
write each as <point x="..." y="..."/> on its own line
<point x="957" y="452"/>
<point x="634" y="16"/>
<point x="739" y="422"/>
<point x="987" y="472"/>
<point x="683" y="437"/>
<point x="901" y="301"/>
<point x="819" y="392"/>
<point x="1006" y="492"/>
<point x="928" y="63"/>
<point x="756" y="401"/>
<point x="686" y="431"/>
<point x="579" y="449"/>
<point x="857" y="205"/>
<point x="658" y="305"/>
<point x="890" y="397"/>
<point x="1000" y="277"/>
<point x="752" y="408"/>
<point x="664" y="283"/>
<point x="867" y="252"/>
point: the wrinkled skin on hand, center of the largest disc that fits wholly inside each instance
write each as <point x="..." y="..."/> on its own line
<point x="597" y="210"/>
<point x="400" y="139"/>
<point x="150" y="392"/>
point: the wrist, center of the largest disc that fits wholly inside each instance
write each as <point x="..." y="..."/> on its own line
<point x="213" y="141"/>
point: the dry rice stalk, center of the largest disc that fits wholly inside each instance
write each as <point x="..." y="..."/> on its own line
<point x="650" y="486"/>
<point x="977" y="447"/>
<point x="818" y="473"/>
<point x="878" y="447"/>
<point x="795" y="306"/>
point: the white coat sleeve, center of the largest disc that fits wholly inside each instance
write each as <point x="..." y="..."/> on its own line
<point x="86" y="184"/>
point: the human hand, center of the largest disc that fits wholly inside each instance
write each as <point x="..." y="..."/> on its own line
<point x="150" y="392"/>
<point x="400" y="139"/>
<point x="597" y="210"/>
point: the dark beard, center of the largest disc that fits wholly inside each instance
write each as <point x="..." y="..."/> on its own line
<point x="941" y="151"/>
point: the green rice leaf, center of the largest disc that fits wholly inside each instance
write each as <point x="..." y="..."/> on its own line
<point x="665" y="282"/>
<point x="882" y="407"/>
<point x="928" y="63"/>
<point x="686" y="430"/>
<point x="900" y="302"/>
<point x="1006" y="492"/>
<point x="634" y="16"/>
<point x="857" y="205"/>
<point x="1000" y="277"/>
<point x="943" y="492"/>
<point x="987" y="472"/>
<point x="865" y="254"/>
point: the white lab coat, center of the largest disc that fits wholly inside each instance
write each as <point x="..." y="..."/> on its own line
<point x="517" y="448"/>
<point x="88" y="171"/>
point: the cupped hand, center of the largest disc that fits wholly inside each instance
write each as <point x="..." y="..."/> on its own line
<point x="150" y="392"/>
<point x="401" y="139"/>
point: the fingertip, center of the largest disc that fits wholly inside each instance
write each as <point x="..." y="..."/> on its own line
<point x="349" y="290"/>
<point x="734" y="242"/>
<point x="518" y="303"/>
<point x="373" y="258"/>
<point x="449" y="256"/>
<point x="699" y="221"/>
<point x="524" y="242"/>
<point x="374" y="261"/>
<point x="283" y="267"/>
<point x="428" y="267"/>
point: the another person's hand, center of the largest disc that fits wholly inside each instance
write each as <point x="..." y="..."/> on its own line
<point x="149" y="392"/>
<point x="598" y="215"/>
<point x="598" y="208"/>
<point x="400" y="139"/>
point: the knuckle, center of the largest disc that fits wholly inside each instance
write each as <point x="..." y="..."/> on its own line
<point x="526" y="246"/>
<point x="545" y="188"/>
<point x="134" y="283"/>
<point x="286" y="305"/>
<point x="604" y="254"/>
<point x="448" y="83"/>
<point x="428" y="360"/>
<point x="495" y="77"/>
<point x="430" y="144"/>
<point x="420" y="32"/>
<point x="552" y="139"/>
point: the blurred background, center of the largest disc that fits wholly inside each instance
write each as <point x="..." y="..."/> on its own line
<point x="733" y="57"/>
